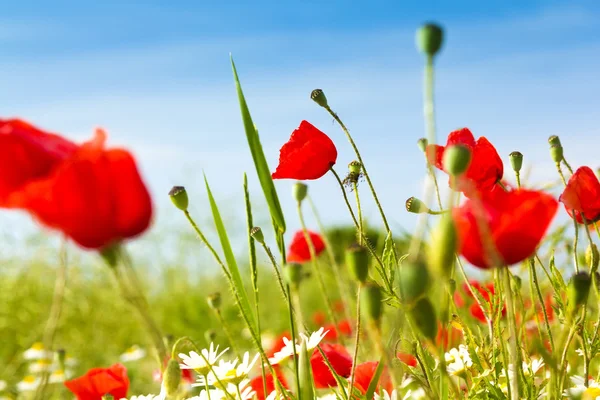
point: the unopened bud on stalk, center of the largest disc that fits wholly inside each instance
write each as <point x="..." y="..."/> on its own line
<point x="414" y="280"/>
<point x="61" y="356"/>
<point x="554" y="141"/>
<point x="318" y="97"/>
<point x="214" y="300"/>
<point x="578" y="291"/>
<point x="517" y="283"/>
<point x="179" y="197"/>
<point x="444" y="243"/>
<point x="516" y="161"/>
<point x="357" y="261"/>
<point x="355" y="167"/>
<point x="416" y="206"/>
<point x="172" y="377"/>
<point x="299" y="190"/>
<point x="257" y="235"/>
<point x="429" y="39"/>
<point x="293" y="274"/>
<point x="371" y="302"/>
<point x="424" y="319"/>
<point x="210" y="335"/>
<point x="556" y="152"/>
<point x="422" y="143"/>
<point x="456" y="159"/>
<point x="592" y="257"/>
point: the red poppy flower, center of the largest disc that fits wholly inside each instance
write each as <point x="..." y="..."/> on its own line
<point x="339" y="306"/>
<point x="258" y="386"/>
<point x="345" y="327"/>
<point x="299" y="251"/>
<point x="486" y="166"/>
<point x="582" y="196"/>
<point x="515" y="223"/>
<point x="309" y="154"/>
<point x="448" y="337"/>
<point x="364" y="374"/>
<point x="278" y="344"/>
<point x="331" y="334"/>
<point x="407" y="359"/>
<point x="93" y="195"/>
<point x="319" y="318"/>
<point x="338" y="357"/>
<point x="487" y="292"/>
<point x="100" y="381"/>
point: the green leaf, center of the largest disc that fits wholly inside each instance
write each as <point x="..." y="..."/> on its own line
<point x="306" y="391"/>
<point x="375" y="379"/>
<point x="260" y="162"/>
<point x="230" y="259"/>
<point x="389" y="256"/>
<point x="251" y="244"/>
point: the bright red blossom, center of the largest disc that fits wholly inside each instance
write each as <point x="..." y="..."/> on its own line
<point x="338" y="357"/>
<point x="92" y="194"/>
<point x="309" y="154"/>
<point x="258" y="386"/>
<point x="581" y="197"/>
<point x="515" y="223"/>
<point x="486" y="166"/>
<point x="364" y="374"/>
<point x="487" y="291"/>
<point x="100" y="381"/>
<point x="299" y="251"/>
<point x="407" y="359"/>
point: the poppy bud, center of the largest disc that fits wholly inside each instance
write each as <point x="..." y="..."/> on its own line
<point x="414" y="280"/>
<point x="318" y="97"/>
<point x="429" y="39"/>
<point x="179" y="197"/>
<point x="592" y="257"/>
<point x="257" y="235"/>
<point x="556" y="152"/>
<point x="516" y="160"/>
<point x="554" y="141"/>
<point x="423" y="316"/>
<point x="370" y="302"/>
<point x="172" y="377"/>
<point x="416" y="206"/>
<point x="456" y="159"/>
<point x="299" y="190"/>
<point x="214" y="300"/>
<point x="357" y="261"/>
<point x="422" y="143"/>
<point x="293" y="273"/>
<point x="354" y="167"/>
<point x="444" y="243"/>
<point x="210" y="335"/>
<point x="578" y="290"/>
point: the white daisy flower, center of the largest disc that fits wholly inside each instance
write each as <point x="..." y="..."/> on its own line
<point x="3" y="385"/>
<point x="274" y="395"/>
<point x="228" y="372"/>
<point x="417" y="394"/>
<point x="41" y="365"/>
<point x="133" y="353"/>
<point x="58" y="376"/>
<point x="28" y="384"/>
<point x="386" y="395"/>
<point x="579" y="390"/>
<point x="458" y="360"/>
<point x="37" y="352"/>
<point x="331" y="396"/>
<point x="203" y="362"/>
<point x="71" y="361"/>
<point x="291" y="348"/>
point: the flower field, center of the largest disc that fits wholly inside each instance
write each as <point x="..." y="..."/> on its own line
<point x="493" y="295"/>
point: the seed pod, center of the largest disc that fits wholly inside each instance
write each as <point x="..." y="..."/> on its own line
<point x="357" y="261"/>
<point x="424" y="319"/>
<point x="371" y="302"/>
<point x="554" y="141"/>
<point x="172" y="377"/>
<point x="416" y="206"/>
<point x="214" y="300"/>
<point x="299" y="191"/>
<point x="444" y="244"/>
<point x="429" y="39"/>
<point x="355" y="167"/>
<point x="257" y="235"/>
<point x="456" y="159"/>
<point x="210" y="335"/>
<point x="179" y="197"/>
<point x="422" y="143"/>
<point x="516" y="161"/>
<point x="318" y="97"/>
<point x="556" y="152"/>
<point x="293" y="274"/>
<point x="414" y="280"/>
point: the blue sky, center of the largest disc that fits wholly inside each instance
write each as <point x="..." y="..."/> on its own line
<point x="157" y="78"/>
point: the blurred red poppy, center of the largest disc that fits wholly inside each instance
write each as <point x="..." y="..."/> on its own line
<point x="486" y="166"/>
<point x="581" y="197"/>
<point x="299" y="251"/>
<point x="407" y="359"/>
<point x="319" y="318"/>
<point x="100" y="381"/>
<point x="338" y="357"/>
<point x="448" y="337"/>
<point x="332" y="333"/>
<point x="487" y="291"/>
<point x="278" y="344"/>
<point x="258" y="386"/>
<point x="309" y="154"/>
<point x="514" y="224"/>
<point x="345" y="327"/>
<point x="93" y="195"/>
<point x="364" y="374"/>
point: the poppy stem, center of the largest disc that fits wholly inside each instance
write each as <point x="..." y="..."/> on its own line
<point x="276" y="269"/>
<point x="226" y="331"/>
<point x="533" y="280"/>
<point x="356" y="341"/>
<point x="514" y="349"/>
<point x="359" y="212"/>
<point x="293" y="333"/>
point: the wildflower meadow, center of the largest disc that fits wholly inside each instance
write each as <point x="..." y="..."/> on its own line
<point x="494" y="294"/>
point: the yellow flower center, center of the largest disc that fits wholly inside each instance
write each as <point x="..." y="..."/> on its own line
<point x="591" y="393"/>
<point x="29" y="379"/>
<point x="37" y="346"/>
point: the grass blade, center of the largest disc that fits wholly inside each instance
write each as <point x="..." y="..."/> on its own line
<point x="260" y="162"/>
<point x="375" y="380"/>
<point x="230" y="258"/>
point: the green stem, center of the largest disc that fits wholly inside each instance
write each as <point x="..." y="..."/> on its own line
<point x="293" y="333"/>
<point x="276" y="269"/>
<point x="356" y="342"/>
<point x="533" y="280"/>
<point x="226" y="330"/>
<point x="359" y="211"/>
<point x="514" y="355"/>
